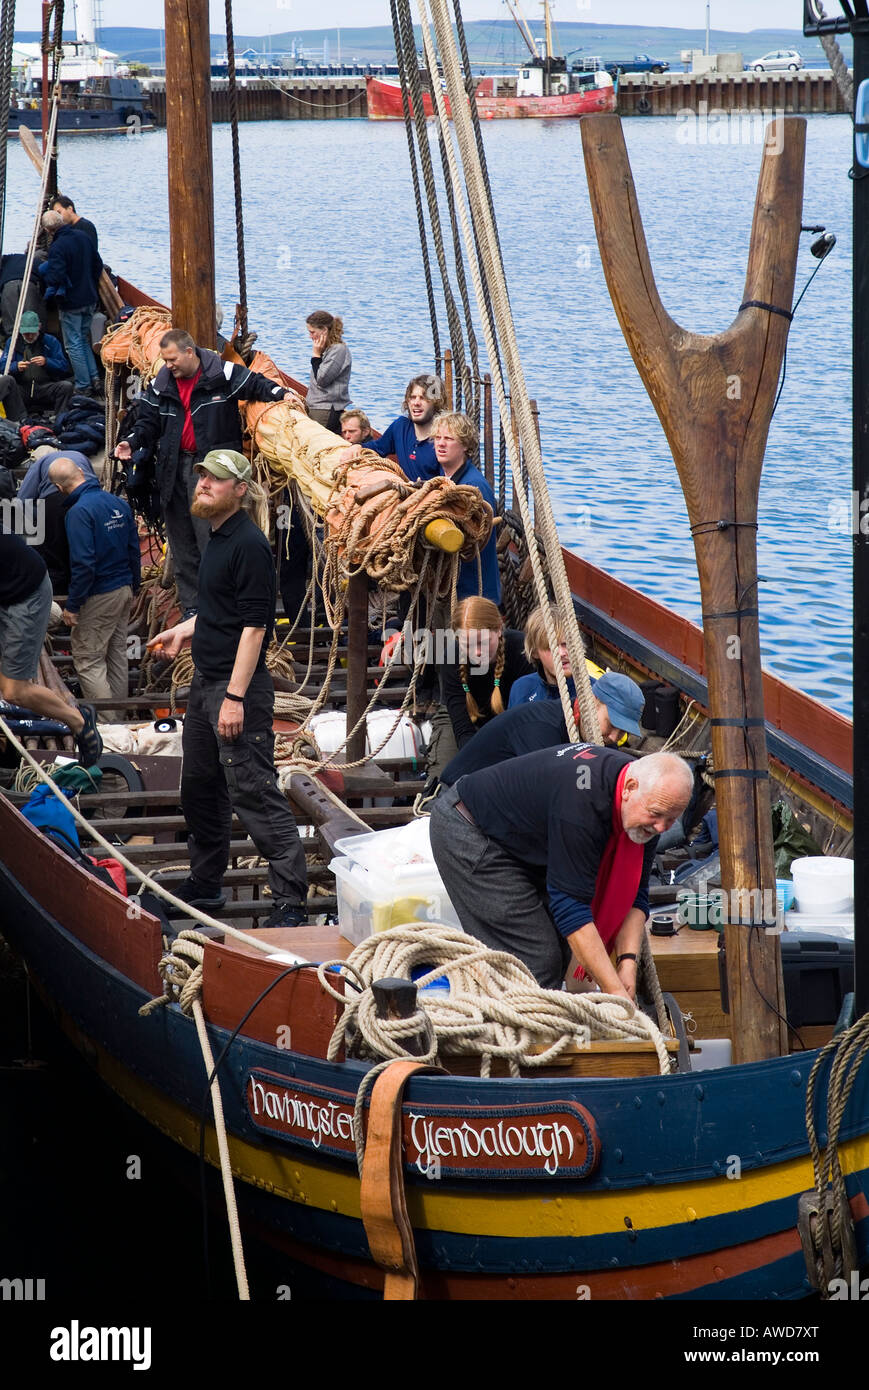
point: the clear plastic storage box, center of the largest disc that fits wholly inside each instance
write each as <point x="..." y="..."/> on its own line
<point x="387" y="878"/>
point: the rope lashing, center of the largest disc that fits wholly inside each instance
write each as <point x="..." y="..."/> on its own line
<point x="495" y="1008"/>
<point x="832" y="1235"/>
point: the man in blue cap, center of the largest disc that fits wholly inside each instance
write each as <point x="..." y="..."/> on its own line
<point x="541" y="724"/>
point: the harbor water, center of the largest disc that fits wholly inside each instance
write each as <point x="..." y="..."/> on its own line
<point x="330" y="223"/>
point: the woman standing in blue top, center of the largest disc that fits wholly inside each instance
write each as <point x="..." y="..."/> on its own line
<point x="329" y="386"/>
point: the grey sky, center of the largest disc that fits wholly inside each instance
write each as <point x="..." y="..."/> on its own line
<point x="281" y="16"/>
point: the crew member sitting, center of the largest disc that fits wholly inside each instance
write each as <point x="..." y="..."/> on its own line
<point x="356" y="427"/>
<point x="40" y="367"/>
<point x="475" y="681"/>
<point x="542" y="685"/>
<point x="548" y="856"/>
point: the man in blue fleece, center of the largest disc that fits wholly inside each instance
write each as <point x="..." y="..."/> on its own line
<point x="71" y="275"/>
<point x="105" y="569"/>
<point x="409" y="437"/>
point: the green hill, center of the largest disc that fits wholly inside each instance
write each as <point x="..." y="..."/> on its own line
<point x="490" y="42"/>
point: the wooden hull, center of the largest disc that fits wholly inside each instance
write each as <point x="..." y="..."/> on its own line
<point x="385" y="104"/>
<point x="667" y="1162"/>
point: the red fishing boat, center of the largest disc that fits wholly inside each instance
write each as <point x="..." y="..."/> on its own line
<point x="543" y="88"/>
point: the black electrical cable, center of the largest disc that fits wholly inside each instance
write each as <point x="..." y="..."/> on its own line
<point x="203" y="1196"/>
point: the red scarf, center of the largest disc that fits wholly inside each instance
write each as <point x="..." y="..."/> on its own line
<point x="618" y="877"/>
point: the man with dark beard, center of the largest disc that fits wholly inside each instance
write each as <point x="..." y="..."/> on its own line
<point x="548" y="856"/>
<point x="228" y="743"/>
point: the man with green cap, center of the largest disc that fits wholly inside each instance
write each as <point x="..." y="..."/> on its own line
<point x="228" y="743"/>
<point x="40" y="367"/>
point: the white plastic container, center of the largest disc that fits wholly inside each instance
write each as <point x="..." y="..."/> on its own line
<point x="840" y="924"/>
<point x="369" y="901"/>
<point x="406" y="740"/>
<point x="823" y="885"/>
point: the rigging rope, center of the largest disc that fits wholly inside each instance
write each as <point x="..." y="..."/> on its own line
<point x="409" y="69"/>
<point x="241" y="308"/>
<point x="493" y="270"/>
<point x="31" y="249"/>
<point x="414" y="171"/>
<point x="7" y="35"/>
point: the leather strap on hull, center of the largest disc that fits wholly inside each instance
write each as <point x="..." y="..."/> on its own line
<point x="382" y="1196"/>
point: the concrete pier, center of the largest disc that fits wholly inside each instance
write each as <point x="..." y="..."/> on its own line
<point x="812" y="91"/>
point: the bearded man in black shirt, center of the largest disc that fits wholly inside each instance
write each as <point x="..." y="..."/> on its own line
<point x="228" y="743"/>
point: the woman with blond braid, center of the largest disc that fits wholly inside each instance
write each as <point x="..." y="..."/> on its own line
<point x="476" y="679"/>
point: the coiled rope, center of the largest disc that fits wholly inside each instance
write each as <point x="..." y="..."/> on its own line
<point x="495" y="1007"/>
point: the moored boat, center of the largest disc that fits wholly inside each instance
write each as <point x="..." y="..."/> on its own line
<point x="545" y="87"/>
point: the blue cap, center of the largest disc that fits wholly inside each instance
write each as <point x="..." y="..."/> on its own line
<point x="624" y="701"/>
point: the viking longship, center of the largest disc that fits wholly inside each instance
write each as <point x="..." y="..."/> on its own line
<point x="488" y="1139"/>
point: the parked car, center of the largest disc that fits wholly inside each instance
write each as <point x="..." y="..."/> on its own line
<point x="641" y="62"/>
<point x="780" y="60"/>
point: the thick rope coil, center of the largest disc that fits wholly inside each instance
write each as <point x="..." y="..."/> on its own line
<point x="846" y="1053"/>
<point x="495" y="1008"/>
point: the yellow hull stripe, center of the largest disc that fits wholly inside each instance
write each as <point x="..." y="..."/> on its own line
<point x="504" y="1213"/>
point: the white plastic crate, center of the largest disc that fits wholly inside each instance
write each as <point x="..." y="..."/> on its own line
<point x="369" y="901"/>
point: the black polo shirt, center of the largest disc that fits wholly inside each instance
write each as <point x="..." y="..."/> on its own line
<point x="236" y="590"/>
<point x="553" y="809"/>
<point x="22" y="570"/>
<point x="517" y="731"/>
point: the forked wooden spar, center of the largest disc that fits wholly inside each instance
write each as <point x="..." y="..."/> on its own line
<point x="714" y="396"/>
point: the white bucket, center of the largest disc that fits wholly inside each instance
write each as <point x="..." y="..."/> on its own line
<point x="330" y="731"/>
<point x="823" y="884"/>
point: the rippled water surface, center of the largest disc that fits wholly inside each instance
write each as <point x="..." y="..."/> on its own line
<point x="330" y="223"/>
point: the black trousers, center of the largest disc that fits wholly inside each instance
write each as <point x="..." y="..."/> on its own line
<point x="187" y="535"/>
<point x="220" y="776"/>
<point x="53" y="396"/>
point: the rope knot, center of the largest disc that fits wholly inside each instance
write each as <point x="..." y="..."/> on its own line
<point x="181" y="972"/>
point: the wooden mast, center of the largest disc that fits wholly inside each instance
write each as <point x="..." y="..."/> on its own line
<point x="191" y="179"/>
<point x="714" y="396"/>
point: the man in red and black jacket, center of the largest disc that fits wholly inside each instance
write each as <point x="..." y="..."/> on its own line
<point x="190" y="408"/>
